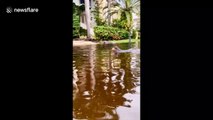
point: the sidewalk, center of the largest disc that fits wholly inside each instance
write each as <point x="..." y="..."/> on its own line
<point x="82" y="42"/>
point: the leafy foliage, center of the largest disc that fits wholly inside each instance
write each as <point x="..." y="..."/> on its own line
<point x="120" y="23"/>
<point x="76" y="21"/>
<point x="110" y="33"/>
<point x="77" y="30"/>
<point x="83" y="32"/>
<point x="109" y="10"/>
<point x="126" y="8"/>
<point x="135" y="34"/>
<point x="96" y="13"/>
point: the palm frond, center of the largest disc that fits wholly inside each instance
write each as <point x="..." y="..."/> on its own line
<point x="136" y="10"/>
<point x="106" y="7"/>
<point x="114" y="12"/>
<point x="121" y="3"/>
<point x="115" y="4"/>
<point x="135" y="4"/>
<point x="111" y="13"/>
<point x="128" y="3"/>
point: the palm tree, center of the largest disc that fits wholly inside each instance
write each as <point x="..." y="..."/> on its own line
<point x="127" y="8"/>
<point x="88" y="21"/>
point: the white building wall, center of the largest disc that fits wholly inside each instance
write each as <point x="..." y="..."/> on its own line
<point x="77" y="2"/>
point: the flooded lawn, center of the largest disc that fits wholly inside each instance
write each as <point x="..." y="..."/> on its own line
<point x="106" y="86"/>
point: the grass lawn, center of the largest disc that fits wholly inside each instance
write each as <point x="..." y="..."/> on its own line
<point x="124" y="41"/>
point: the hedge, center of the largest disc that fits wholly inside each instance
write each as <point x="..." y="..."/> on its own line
<point x="110" y="33"/>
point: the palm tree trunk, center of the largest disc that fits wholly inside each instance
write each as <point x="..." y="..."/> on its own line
<point x="129" y="38"/>
<point x="87" y="12"/>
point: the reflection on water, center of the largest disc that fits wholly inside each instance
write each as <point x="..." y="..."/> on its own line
<point x="105" y="86"/>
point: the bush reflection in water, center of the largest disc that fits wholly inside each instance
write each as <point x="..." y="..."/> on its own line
<point x="101" y="80"/>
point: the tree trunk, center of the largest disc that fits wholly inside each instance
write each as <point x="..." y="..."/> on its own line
<point x="88" y="21"/>
<point x="129" y="38"/>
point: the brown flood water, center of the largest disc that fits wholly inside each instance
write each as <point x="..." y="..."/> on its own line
<point x="105" y="86"/>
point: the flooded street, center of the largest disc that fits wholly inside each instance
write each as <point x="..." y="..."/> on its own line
<point x="106" y="86"/>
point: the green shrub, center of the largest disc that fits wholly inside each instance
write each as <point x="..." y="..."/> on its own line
<point x="76" y="21"/>
<point x="119" y="23"/>
<point x="77" y="30"/>
<point x="83" y="32"/>
<point x="110" y="33"/>
<point x="76" y="26"/>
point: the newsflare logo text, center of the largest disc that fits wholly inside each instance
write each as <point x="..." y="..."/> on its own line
<point x="18" y="10"/>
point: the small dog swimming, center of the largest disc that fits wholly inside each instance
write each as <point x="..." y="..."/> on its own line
<point x="107" y="43"/>
<point x="116" y="49"/>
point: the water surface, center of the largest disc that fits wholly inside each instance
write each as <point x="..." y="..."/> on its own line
<point x="106" y="86"/>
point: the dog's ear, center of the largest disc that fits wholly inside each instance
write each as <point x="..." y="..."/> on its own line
<point x="113" y="49"/>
